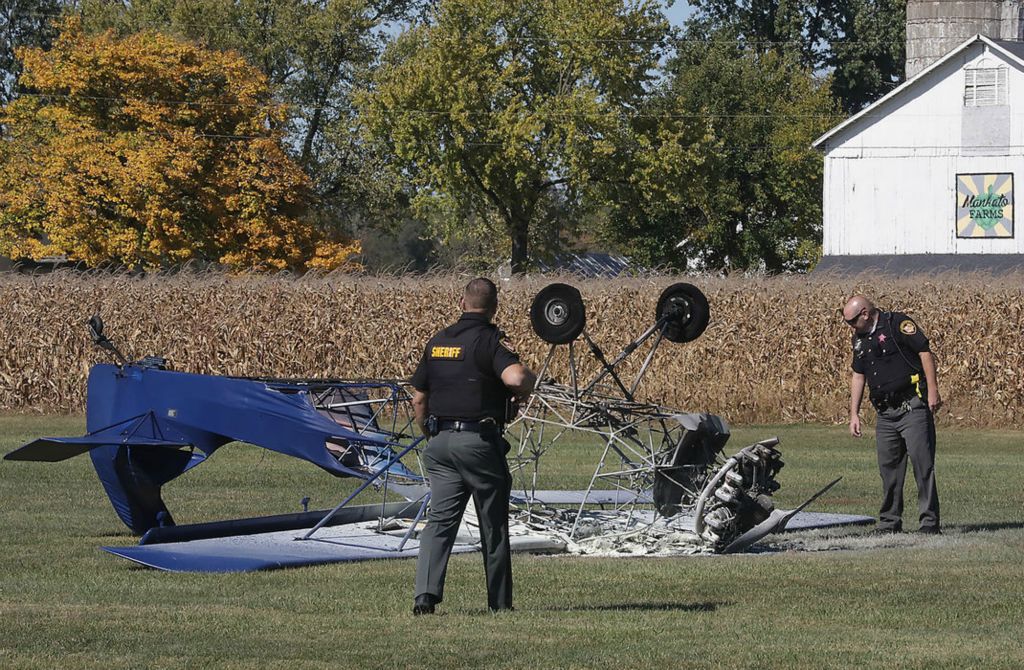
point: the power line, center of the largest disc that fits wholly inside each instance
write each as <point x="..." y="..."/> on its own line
<point x="533" y="112"/>
<point x="669" y="40"/>
<point x="443" y="112"/>
<point x="149" y="101"/>
<point x="153" y="133"/>
<point x="726" y="148"/>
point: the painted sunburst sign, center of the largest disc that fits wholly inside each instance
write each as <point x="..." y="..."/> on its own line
<point x="984" y="205"/>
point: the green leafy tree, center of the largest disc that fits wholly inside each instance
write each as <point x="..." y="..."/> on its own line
<point x="515" y="112"/>
<point x="870" y="60"/>
<point x="762" y="207"/>
<point x="658" y="186"/>
<point x="860" y="41"/>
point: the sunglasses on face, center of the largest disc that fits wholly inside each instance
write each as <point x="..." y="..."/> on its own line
<point x="854" y="319"/>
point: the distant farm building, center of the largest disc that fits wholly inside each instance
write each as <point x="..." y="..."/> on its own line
<point x="924" y="179"/>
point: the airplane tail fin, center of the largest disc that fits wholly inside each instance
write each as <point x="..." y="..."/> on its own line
<point x="53" y="449"/>
<point x="132" y="469"/>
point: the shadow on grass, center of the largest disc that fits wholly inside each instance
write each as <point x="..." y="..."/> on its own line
<point x="643" y="607"/>
<point x="982" y="527"/>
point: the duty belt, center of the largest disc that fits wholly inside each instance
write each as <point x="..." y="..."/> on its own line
<point x="892" y="399"/>
<point x="482" y="425"/>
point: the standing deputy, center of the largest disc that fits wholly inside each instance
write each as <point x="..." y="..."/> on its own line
<point x="463" y="386"/>
<point x="891" y="355"/>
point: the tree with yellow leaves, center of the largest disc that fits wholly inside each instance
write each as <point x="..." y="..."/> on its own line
<point x="149" y="151"/>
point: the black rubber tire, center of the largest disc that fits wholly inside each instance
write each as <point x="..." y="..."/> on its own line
<point x="689" y="310"/>
<point x="557" y="314"/>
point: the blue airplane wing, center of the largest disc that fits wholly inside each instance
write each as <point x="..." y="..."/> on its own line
<point x="147" y="425"/>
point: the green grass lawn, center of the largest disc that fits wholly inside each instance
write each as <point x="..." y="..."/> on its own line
<point x="953" y="601"/>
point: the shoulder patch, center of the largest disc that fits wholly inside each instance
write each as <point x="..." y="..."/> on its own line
<point x="908" y="327"/>
<point x="505" y="342"/>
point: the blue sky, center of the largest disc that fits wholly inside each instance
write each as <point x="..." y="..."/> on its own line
<point x="678" y="12"/>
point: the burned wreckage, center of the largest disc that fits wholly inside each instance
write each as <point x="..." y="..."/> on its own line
<point x="658" y="470"/>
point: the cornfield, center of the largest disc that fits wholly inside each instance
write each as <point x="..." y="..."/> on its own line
<point x="776" y="350"/>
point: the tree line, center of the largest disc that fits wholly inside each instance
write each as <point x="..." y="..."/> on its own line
<point x="297" y="134"/>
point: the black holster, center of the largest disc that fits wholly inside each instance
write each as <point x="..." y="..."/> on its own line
<point x="891" y="399"/>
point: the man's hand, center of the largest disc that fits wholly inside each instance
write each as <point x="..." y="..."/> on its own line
<point x="419" y="408"/>
<point x="930" y="378"/>
<point x="856" y="393"/>
<point x="519" y="380"/>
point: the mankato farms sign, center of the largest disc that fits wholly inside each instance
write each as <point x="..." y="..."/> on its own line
<point x="984" y="205"/>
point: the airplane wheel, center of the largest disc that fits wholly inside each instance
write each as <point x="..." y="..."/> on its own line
<point x="557" y="314"/>
<point x="687" y="310"/>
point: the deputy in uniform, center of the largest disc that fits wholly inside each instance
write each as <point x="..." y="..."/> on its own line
<point x="462" y="389"/>
<point x="892" y="357"/>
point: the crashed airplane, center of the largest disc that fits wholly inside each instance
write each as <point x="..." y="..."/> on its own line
<point x="659" y="472"/>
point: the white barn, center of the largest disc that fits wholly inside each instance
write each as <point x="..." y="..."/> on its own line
<point x="926" y="177"/>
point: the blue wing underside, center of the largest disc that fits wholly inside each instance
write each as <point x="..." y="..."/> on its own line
<point x="147" y="426"/>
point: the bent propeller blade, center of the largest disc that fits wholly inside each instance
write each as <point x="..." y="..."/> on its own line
<point x="775" y="522"/>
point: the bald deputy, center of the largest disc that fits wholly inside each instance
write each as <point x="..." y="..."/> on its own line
<point x="891" y="356"/>
<point x="463" y="385"/>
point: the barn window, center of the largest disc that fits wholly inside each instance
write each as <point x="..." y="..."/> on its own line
<point x="985" y="87"/>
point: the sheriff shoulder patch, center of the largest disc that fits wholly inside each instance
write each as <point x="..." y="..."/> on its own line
<point x="908" y="327"/>
<point x="446" y="353"/>
<point x="507" y="343"/>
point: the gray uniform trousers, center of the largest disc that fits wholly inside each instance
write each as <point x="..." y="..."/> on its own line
<point x="460" y="465"/>
<point x="909" y="429"/>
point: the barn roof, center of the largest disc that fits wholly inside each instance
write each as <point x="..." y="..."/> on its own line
<point x="901" y="265"/>
<point x="1013" y="51"/>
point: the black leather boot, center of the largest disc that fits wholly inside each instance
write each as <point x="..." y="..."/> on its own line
<point x="424" y="604"/>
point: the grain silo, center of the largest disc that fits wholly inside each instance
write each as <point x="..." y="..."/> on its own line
<point x="935" y="27"/>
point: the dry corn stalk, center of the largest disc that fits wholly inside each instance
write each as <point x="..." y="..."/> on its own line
<point x="776" y="350"/>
